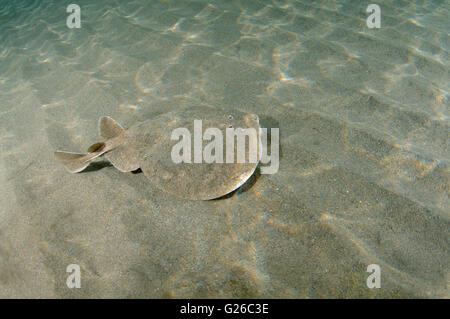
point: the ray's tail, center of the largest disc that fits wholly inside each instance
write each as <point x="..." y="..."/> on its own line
<point x="76" y="162"/>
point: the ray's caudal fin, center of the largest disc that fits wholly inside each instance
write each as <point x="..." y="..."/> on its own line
<point x="76" y="162"/>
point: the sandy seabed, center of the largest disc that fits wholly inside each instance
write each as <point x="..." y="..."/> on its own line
<point x="364" y="126"/>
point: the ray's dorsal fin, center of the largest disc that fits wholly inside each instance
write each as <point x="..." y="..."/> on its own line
<point x="124" y="157"/>
<point x="109" y="128"/>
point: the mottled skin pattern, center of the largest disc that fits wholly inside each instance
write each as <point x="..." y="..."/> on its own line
<point x="194" y="180"/>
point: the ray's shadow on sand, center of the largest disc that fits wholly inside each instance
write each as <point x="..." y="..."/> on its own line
<point x="244" y="187"/>
<point x="96" y="166"/>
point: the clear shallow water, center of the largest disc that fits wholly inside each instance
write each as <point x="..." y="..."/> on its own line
<point x="363" y="179"/>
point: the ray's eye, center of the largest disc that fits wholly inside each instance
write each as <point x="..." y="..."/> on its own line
<point x="230" y="117"/>
<point x="230" y="126"/>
